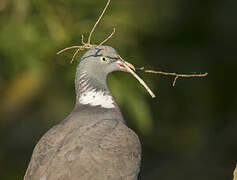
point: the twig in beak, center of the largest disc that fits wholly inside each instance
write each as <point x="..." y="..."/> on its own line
<point x="139" y="79"/>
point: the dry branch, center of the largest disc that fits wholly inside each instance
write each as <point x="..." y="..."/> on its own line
<point x="107" y="38"/>
<point x="97" y="22"/>
<point x="140" y="81"/>
<point x="88" y="45"/>
<point x="176" y="75"/>
<point x="235" y="173"/>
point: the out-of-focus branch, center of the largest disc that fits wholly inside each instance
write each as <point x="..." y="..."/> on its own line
<point x="235" y="173"/>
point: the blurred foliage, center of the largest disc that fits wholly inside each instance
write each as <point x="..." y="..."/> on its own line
<point x="187" y="132"/>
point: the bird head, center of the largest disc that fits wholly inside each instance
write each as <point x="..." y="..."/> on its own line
<point x="100" y="62"/>
<point x="91" y="76"/>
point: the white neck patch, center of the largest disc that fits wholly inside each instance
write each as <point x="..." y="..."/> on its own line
<point x="96" y="98"/>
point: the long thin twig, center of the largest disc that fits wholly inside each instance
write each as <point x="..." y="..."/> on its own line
<point x="173" y="74"/>
<point x="97" y="22"/>
<point x="67" y="48"/>
<point x="140" y="80"/>
<point x="107" y="38"/>
<point x="88" y="45"/>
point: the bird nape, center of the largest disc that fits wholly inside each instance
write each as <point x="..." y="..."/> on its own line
<point x="93" y="142"/>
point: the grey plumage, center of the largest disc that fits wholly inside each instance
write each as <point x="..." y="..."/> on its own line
<point x="93" y="142"/>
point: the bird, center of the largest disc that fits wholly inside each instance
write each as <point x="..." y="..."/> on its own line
<point x="93" y="142"/>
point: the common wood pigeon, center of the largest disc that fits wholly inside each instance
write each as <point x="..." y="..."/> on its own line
<point x="93" y="142"/>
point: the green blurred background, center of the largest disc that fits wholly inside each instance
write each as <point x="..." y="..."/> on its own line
<point x="187" y="132"/>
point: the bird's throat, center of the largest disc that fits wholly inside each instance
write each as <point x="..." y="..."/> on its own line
<point x="93" y="93"/>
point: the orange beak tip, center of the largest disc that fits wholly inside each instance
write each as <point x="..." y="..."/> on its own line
<point x="131" y="66"/>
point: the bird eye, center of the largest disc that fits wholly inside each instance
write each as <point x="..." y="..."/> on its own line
<point x="103" y="59"/>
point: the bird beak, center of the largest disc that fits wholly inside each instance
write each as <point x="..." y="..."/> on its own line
<point x="123" y="64"/>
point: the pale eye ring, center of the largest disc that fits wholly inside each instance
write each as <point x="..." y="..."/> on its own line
<point x="103" y="59"/>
